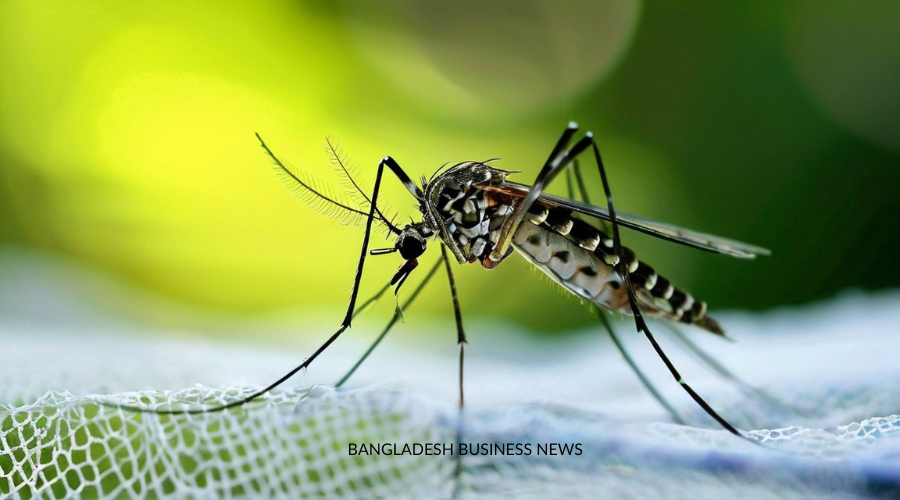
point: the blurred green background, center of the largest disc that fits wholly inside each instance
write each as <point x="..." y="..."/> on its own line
<point x="126" y="138"/>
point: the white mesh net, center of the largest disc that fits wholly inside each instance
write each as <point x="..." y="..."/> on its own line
<point x="834" y="365"/>
<point x="291" y="445"/>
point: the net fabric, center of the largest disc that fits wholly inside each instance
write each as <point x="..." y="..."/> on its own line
<point x="294" y="444"/>
<point x="291" y="444"/>
<point x="674" y="461"/>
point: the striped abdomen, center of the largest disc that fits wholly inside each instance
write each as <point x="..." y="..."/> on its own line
<point x="580" y="257"/>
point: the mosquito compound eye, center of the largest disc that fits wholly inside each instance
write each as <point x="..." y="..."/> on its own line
<point x="410" y="246"/>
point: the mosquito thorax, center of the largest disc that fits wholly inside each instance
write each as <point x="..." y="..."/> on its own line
<point x="469" y="217"/>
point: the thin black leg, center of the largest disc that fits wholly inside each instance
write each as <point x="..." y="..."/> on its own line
<point x="391" y="323"/>
<point x="562" y="143"/>
<point x="570" y="182"/>
<point x="602" y="315"/>
<point x="575" y="171"/>
<point x="720" y="370"/>
<point x="573" y="180"/>
<point x="365" y="305"/>
<point x="348" y="317"/>
<point x="558" y="160"/>
<point x="460" y="332"/>
<point x="639" y="322"/>
<point x="579" y="181"/>
<point x="461" y="341"/>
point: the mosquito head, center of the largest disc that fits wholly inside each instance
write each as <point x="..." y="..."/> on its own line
<point x="412" y="240"/>
<point x="411" y="243"/>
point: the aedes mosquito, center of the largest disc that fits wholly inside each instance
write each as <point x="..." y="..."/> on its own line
<point x="481" y="217"/>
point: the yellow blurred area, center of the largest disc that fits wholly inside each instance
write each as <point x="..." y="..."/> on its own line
<point x="127" y="138"/>
<point x="148" y="151"/>
<point x="127" y="130"/>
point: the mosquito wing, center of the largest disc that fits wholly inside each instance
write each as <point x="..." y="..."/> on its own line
<point x="675" y="234"/>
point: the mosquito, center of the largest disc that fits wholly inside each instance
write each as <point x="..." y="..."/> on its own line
<point x="479" y="216"/>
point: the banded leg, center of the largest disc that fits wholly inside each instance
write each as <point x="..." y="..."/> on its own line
<point x="388" y="162"/>
<point x="640" y="324"/>
<point x="559" y="158"/>
<point x="573" y="179"/>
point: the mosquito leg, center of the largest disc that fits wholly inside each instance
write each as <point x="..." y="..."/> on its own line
<point x="711" y="363"/>
<point x="460" y="332"/>
<point x="745" y="388"/>
<point x="558" y="160"/>
<point x="460" y="335"/>
<point x="702" y="355"/>
<point x="570" y="181"/>
<point x="639" y="322"/>
<point x="365" y="305"/>
<point x="603" y="316"/>
<point x="461" y="341"/>
<point x="573" y="180"/>
<point x="390" y="324"/>
<point x="351" y="307"/>
<point x="575" y="170"/>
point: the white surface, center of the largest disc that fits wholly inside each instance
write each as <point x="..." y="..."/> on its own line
<point x="835" y="362"/>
